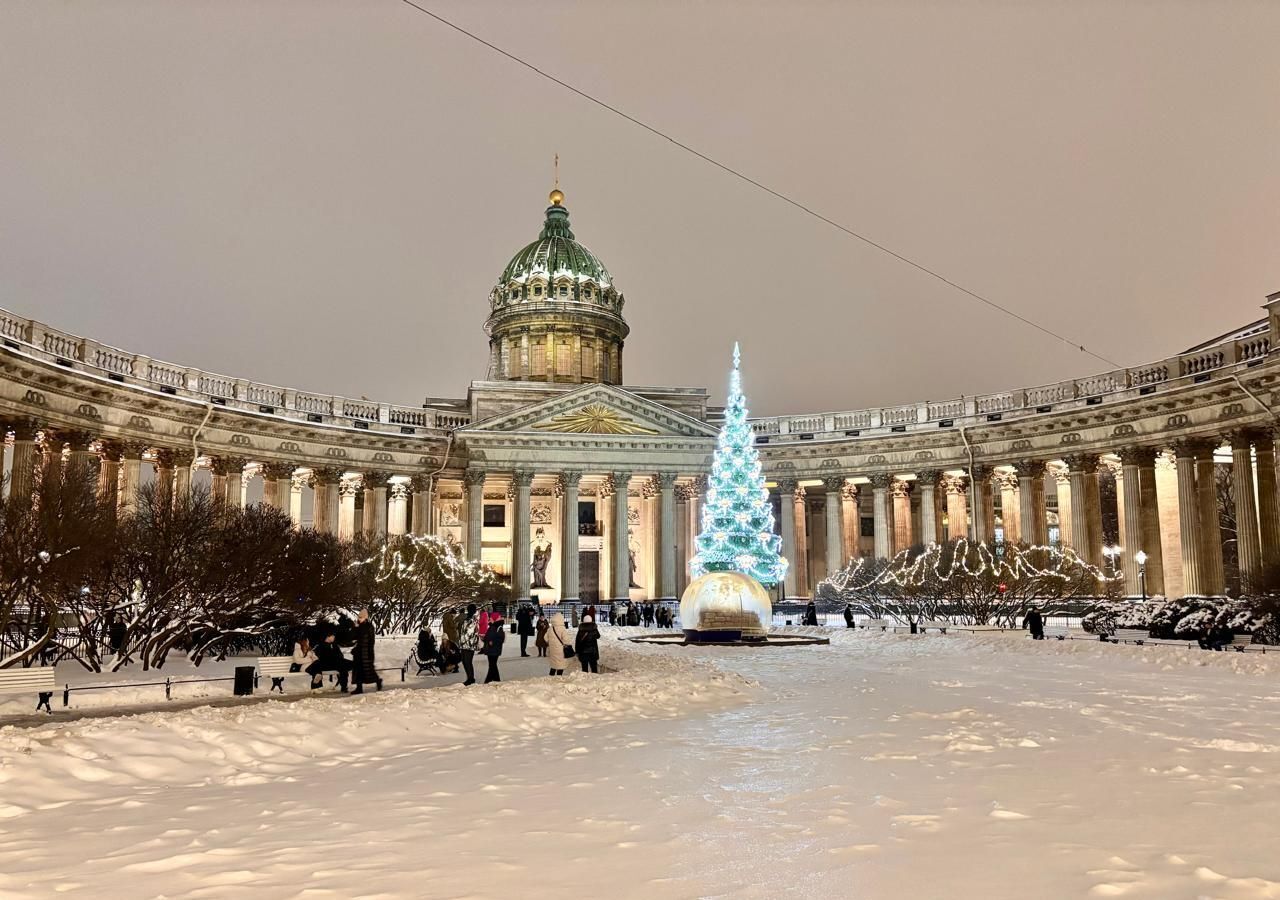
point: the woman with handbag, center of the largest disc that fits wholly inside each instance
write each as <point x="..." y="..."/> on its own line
<point x="559" y="644"/>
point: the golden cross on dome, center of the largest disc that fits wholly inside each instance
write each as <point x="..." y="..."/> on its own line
<point x="557" y="195"/>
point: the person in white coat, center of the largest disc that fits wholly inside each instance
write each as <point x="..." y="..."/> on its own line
<point x="558" y="638"/>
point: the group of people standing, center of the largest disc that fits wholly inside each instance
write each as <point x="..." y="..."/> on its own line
<point x="320" y="651"/>
<point x="466" y="632"/>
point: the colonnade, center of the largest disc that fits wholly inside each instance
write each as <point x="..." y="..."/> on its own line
<point x="390" y="504"/>
<point x="666" y="539"/>
<point x="1168" y="504"/>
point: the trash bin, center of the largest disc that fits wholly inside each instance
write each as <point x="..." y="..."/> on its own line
<point x="244" y="681"/>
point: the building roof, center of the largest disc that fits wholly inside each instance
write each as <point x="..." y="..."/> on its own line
<point x="554" y="254"/>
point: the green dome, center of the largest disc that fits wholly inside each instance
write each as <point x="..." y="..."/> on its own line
<point x="554" y="254"/>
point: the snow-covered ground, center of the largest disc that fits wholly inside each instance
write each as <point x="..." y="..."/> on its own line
<point x="880" y="766"/>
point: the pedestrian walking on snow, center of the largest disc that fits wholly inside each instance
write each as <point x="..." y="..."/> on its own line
<point x="558" y="642"/>
<point x="811" y="614"/>
<point x="363" y="665"/>
<point x="469" y="642"/>
<point x="587" y="645"/>
<point x="524" y="627"/>
<point x="493" y="640"/>
<point x="1034" y="623"/>
<point x="541" y="629"/>
<point x="848" y="615"/>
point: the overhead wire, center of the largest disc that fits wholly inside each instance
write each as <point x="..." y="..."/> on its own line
<point x="785" y="198"/>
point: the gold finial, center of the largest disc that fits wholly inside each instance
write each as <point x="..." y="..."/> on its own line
<point x="557" y="195"/>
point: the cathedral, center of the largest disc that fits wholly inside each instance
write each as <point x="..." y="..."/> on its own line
<point x="577" y="486"/>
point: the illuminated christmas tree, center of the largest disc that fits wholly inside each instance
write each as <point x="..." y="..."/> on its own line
<point x="737" y="519"/>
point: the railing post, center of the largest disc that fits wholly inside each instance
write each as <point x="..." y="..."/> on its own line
<point x="290" y="398"/>
<point x="142" y="368"/>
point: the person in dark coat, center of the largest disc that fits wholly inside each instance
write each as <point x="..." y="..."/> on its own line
<point x="848" y="615"/>
<point x="329" y="658"/>
<point x="363" y="666"/>
<point x="1034" y="623"/>
<point x="541" y="641"/>
<point x="492" y="647"/>
<point x="587" y="645"/>
<point x="811" y="614"/>
<point x="524" y="627"/>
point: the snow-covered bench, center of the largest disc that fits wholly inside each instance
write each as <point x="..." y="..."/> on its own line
<point x="275" y="668"/>
<point x="882" y="624"/>
<point x="1240" y="641"/>
<point x="37" y="679"/>
<point x="1138" y="636"/>
<point x="935" y="624"/>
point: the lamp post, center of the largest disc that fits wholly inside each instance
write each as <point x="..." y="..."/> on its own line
<point x="1141" y="559"/>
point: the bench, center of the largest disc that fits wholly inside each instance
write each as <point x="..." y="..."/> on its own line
<point x="882" y="624"/>
<point x="275" y="668"/>
<point x="1240" y="641"/>
<point x="935" y="624"/>
<point x="1138" y="636"/>
<point x="21" y="681"/>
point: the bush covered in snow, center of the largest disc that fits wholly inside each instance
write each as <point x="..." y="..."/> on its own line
<point x="1188" y="618"/>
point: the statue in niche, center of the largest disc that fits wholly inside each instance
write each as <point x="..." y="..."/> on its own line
<point x="633" y="547"/>
<point x="541" y="559"/>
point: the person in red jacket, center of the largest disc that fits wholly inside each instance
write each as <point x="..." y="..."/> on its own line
<point x="482" y="623"/>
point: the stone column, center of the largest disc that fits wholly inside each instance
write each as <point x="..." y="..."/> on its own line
<point x="1268" y="497"/>
<point x="927" y="484"/>
<point x="277" y="485"/>
<point x="880" y="484"/>
<point x="164" y="476"/>
<point x="1032" y="525"/>
<point x="1062" y="487"/>
<point x="22" y="481"/>
<point x="423" y="503"/>
<point x="1010" y="511"/>
<point x="569" y="484"/>
<point x="1152" y="542"/>
<point x="1080" y="467"/>
<point x="1131" y="459"/>
<point x="374" y="515"/>
<point x="217" y="480"/>
<point x="297" y="482"/>
<point x="667" y="535"/>
<point x="228" y="472"/>
<point x="621" y="558"/>
<point x="957" y="507"/>
<point x="473" y="479"/>
<point x="802" y="542"/>
<point x="1093" y="498"/>
<point x="398" y="509"/>
<point x="82" y="457"/>
<point x="1248" y="543"/>
<point x="347" y="488"/>
<point x="1189" y="519"/>
<point x="834" y="485"/>
<point x="902" y="529"/>
<point x="130" y="474"/>
<point x="182" y="460"/>
<point x="1211" y="575"/>
<point x="851" y="533"/>
<point x="109" y="475"/>
<point x="787" y="493"/>
<point x="324" y="512"/>
<point x="684" y="528"/>
<point x="521" y="484"/>
<point x="984" y="514"/>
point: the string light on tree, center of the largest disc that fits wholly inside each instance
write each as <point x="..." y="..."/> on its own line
<point x="737" y="520"/>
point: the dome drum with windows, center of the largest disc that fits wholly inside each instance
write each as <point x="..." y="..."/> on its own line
<point x="555" y="314"/>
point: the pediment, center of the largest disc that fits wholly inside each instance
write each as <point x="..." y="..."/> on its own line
<point x="599" y="410"/>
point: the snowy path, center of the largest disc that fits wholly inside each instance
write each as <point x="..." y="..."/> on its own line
<point x="879" y="767"/>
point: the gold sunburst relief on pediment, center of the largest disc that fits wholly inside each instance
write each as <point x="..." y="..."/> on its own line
<point x="595" y="418"/>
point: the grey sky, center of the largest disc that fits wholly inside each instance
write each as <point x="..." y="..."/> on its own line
<point x="320" y="194"/>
